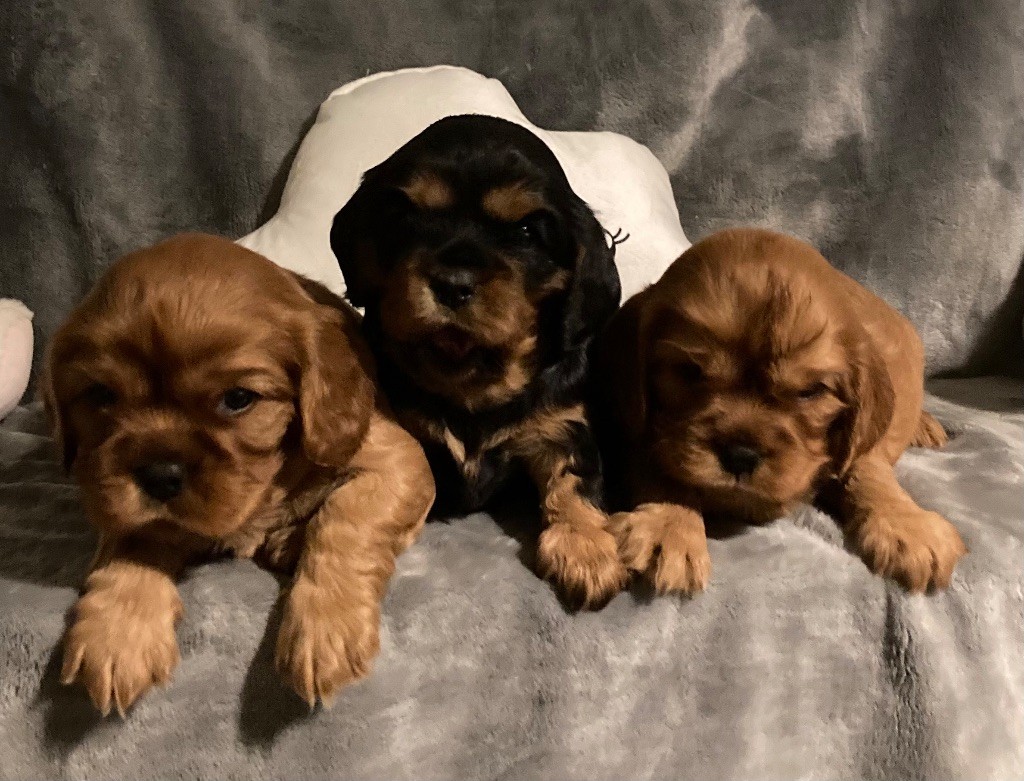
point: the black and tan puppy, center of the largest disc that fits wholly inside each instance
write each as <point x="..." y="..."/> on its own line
<point x="484" y="278"/>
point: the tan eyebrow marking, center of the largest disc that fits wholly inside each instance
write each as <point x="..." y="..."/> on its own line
<point x="511" y="202"/>
<point x="429" y="191"/>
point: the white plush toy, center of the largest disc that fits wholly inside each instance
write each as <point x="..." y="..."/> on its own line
<point x="363" y="122"/>
<point x="15" y="353"/>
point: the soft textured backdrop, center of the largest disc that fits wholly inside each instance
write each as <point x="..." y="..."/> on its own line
<point x="888" y="133"/>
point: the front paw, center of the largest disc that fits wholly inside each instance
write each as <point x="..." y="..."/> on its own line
<point x="582" y="561"/>
<point x="666" y="544"/>
<point x="917" y="548"/>
<point x="119" y="653"/>
<point x="326" y="641"/>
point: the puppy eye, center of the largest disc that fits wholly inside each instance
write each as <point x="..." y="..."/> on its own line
<point x="99" y="395"/>
<point x="531" y="230"/>
<point x="236" y="400"/>
<point x="689" y="372"/>
<point x="813" y="391"/>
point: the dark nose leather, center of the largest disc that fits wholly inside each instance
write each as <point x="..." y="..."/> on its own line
<point x="738" y="460"/>
<point x="453" y="287"/>
<point x="162" y="480"/>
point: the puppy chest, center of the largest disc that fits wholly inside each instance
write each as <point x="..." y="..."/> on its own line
<point x="467" y="474"/>
<point x="275" y="533"/>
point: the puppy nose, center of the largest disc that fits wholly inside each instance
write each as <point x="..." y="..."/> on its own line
<point x="453" y="287"/>
<point x="738" y="460"/>
<point x="162" y="480"/>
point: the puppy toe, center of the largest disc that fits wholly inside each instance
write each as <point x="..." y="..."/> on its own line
<point x="116" y="658"/>
<point x="294" y="661"/>
<point x="667" y="543"/>
<point x="683" y="563"/>
<point x="73" y="654"/>
<point x="126" y="685"/>
<point x="637" y="536"/>
<point x="323" y="645"/>
<point x="916" y="548"/>
<point x="583" y="562"/>
<point x="946" y="552"/>
<point x="98" y="681"/>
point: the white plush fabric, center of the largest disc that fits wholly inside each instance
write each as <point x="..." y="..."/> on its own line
<point x="15" y="352"/>
<point x="362" y="123"/>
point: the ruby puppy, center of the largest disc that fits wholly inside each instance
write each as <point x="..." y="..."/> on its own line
<point x="208" y="401"/>
<point x="753" y="376"/>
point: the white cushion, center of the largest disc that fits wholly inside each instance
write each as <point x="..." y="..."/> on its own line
<point x="362" y="123"/>
<point x="15" y="352"/>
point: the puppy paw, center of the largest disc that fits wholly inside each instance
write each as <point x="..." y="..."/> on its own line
<point x="119" y="652"/>
<point x="325" y="642"/>
<point x="917" y="548"/>
<point x="667" y="544"/>
<point x="930" y="433"/>
<point x="582" y="561"/>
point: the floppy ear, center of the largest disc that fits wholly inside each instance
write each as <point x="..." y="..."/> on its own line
<point x="336" y="389"/>
<point x="63" y="436"/>
<point x="595" y="290"/>
<point x="870" y="395"/>
<point x="354" y="243"/>
<point x="622" y="358"/>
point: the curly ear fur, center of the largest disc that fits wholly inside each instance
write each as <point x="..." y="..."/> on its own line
<point x="353" y="244"/>
<point x="336" y="390"/>
<point x="872" y="403"/>
<point x="595" y="289"/>
<point x="622" y="358"/>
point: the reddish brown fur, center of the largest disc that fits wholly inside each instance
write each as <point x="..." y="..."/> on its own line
<point x="313" y="477"/>
<point x="764" y="318"/>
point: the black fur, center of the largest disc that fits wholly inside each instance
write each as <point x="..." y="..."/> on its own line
<point x="375" y="231"/>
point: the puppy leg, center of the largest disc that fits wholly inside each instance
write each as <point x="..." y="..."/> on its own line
<point x="122" y="639"/>
<point x="329" y="631"/>
<point x="894" y="536"/>
<point x="576" y="551"/>
<point x="667" y="544"/>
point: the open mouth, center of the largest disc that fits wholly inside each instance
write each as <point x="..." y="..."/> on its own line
<point x="456" y="353"/>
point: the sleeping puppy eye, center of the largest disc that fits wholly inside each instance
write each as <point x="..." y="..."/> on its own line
<point x="99" y="396"/>
<point x="236" y="400"/>
<point x="812" y="391"/>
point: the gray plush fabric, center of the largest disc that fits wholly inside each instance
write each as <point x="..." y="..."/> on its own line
<point x="796" y="663"/>
<point x="891" y="135"/>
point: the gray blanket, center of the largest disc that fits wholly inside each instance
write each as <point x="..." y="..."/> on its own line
<point x="889" y="134"/>
<point x="796" y="663"/>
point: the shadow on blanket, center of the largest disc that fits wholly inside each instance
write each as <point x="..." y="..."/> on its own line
<point x="70" y="715"/>
<point x="267" y="706"/>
